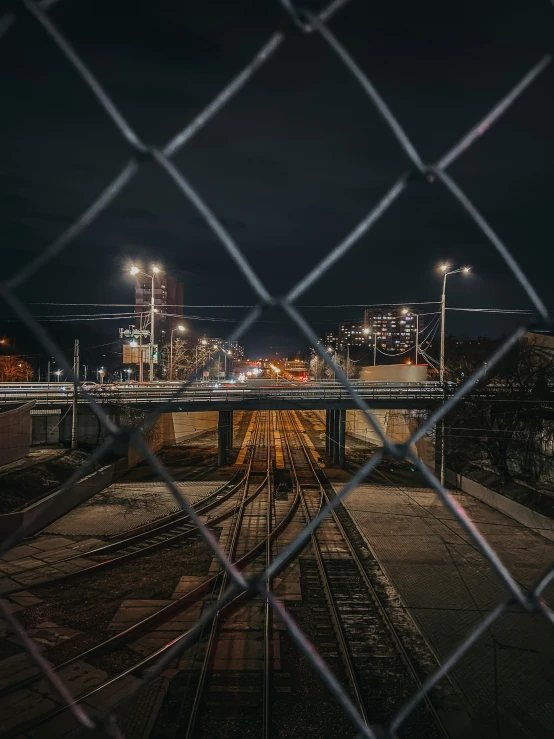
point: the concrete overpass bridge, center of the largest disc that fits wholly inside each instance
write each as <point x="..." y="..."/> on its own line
<point x="52" y="403"/>
<point x="198" y="397"/>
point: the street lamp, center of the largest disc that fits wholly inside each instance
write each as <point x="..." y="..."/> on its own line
<point x="445" y="269"/>
<point x="179" y="328"/>
<point x="406" y="312"/>
<point x="367" y="331"/>
<point x="203" y="342"/>
<point x="136" y="271"/>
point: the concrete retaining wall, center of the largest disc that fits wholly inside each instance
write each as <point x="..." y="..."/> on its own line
<point x="15" y="433"/>
<point x="536" y="521"/>
<point x="170" y="428"/>
<point x="35" y="517"/>
<point x="173" y="428"/>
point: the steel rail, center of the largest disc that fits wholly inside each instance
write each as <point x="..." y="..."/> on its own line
<point x="213" y="635"/>
<point x="331" y="601"/>
<point x="266" y="710"/>
<point x="134" y="540"/>
<point x="391" y="628"/>
<point x="163" y="614"/>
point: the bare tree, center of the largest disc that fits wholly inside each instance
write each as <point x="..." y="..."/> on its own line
<point x="188" y="356"/>
<point x="508" y="422"/>
<point x="320" y="370"/>
<point x="15" y="369"/>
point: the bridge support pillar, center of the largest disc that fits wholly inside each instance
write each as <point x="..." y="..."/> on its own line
<point x="341" y="437"/>
<point x="224" y="437"/>
<point x="335" y="436"/>
<point x="328" y="435"/>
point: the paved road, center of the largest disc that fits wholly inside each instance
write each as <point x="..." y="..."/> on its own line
<point x="448" y="586"/>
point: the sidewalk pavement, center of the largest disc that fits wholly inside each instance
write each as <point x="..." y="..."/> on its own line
<point x="507" y="677"/>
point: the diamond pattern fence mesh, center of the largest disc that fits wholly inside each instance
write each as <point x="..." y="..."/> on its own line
<point x="436" y="175"/>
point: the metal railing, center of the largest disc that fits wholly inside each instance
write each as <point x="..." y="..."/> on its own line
<point x="435" y="175"/>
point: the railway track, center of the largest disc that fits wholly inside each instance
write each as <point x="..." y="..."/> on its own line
<point x="380" y="673"/>
<point x="210" y="587"/>
<point x="170" y="530"/>
<point x="226" y="684"/>
<point x="233" y="680"/>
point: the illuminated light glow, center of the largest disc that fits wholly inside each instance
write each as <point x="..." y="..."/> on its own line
<point x="405" y="311"/>
<point x="466" y="270"/>
<point x="155" y="270"/>
<point x="181" y="328"/>
<point x="133" y="343"/>
<point x="443" y="267"/>
<point x="134" y="270"/>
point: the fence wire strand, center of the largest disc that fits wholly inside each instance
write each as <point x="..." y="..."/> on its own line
<point x="308" y="23"/>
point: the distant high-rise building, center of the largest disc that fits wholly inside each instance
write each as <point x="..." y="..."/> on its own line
<point x="331" y="339"/>
<point x="394" y="328"/>
<point x="168" y="300"/>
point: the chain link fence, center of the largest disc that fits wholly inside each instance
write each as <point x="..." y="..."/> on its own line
<point x="435" y="175"/>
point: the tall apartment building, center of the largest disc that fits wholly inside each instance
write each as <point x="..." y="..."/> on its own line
<point x="394" y="328"/>
<point x="168" y="296"/>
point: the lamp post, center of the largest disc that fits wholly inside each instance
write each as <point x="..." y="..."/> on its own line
<point x="179" y="328"/>
<point x="445" y="269"/>
<point x="203" y="342"/>
<point x="406" y="312"/>
<point x="136" y="271"/>
<point x="367" y="331"/>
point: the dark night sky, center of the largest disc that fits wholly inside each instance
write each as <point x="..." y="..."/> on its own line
<point x="290" y="165"/>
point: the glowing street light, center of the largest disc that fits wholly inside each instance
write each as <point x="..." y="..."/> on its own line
<point x="444" y="268"/>
<point x="134" y="270"/>
<point x="180" y="327"/>
<point x="367" y="331"/>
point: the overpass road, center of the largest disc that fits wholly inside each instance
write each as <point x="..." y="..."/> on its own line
<point x="197" y="397"/>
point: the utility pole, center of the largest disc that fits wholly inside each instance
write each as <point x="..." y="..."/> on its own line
<point x="416" y="336"/>
<point x="140" y="349"/>
<point x="152" y="311"/>
<point x="445" y="269"/>
<point x="348" y="361"/>
<point x="443" y="321"/>
<point x="48" y="373"/>
<point x="74" y="419"/>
